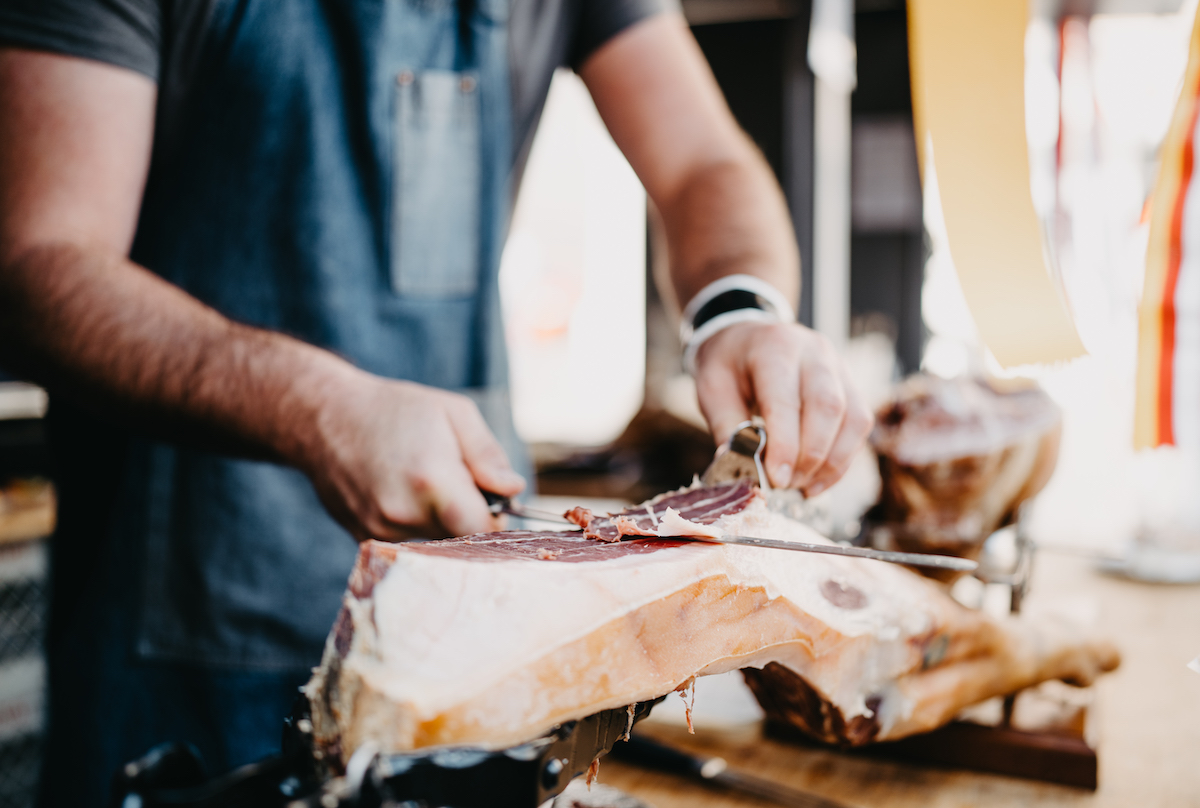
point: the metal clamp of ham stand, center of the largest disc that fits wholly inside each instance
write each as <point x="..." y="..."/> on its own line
<point x="740" y="458"/>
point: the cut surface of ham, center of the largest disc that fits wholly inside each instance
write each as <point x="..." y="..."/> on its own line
<point x="491" y="640"/>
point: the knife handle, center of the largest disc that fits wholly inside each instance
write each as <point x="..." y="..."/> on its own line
<point x="497" y="503"/>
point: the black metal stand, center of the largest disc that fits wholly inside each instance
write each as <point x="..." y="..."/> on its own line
<point x="526" y="776"/>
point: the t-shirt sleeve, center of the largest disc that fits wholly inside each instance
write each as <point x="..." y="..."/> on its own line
<point x="601" y="20"/>
<point x="125" y="33"/>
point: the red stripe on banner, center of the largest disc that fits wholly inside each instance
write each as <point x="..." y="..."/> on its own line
<point x="1166" y="358"/>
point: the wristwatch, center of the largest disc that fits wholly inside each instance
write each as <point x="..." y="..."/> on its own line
<point x="728" y="301"/>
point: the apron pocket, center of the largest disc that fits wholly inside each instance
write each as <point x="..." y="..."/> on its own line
<point x="436" y="191"/>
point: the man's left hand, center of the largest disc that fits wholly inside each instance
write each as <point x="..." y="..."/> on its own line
<point x="791" y="376"/>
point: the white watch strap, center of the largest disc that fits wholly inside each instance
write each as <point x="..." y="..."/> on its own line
<point x="776" y="309"/>
<point x="773" y="299"/>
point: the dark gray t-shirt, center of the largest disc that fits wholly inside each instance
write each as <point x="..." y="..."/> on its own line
<point x="158" y="38"/>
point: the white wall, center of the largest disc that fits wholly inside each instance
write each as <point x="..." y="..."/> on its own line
<point x="572" y="279"/>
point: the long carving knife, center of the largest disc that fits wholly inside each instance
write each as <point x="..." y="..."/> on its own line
<point x="501" y="504"/>
<point x="912" y="559"/>
<point x="713" y="771"/>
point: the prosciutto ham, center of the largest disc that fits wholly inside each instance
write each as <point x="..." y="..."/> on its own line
<point x="491" y="640"/>
<point x="958" y="457"/>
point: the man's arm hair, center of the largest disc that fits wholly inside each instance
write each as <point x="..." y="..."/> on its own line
<point x="77" y="316"/>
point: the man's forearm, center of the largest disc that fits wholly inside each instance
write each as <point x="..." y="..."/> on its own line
<point x="730" y="217"/>
<point x="723" y="209"/>
<point x="130" y="345"/>
<point x="389" y="459"/>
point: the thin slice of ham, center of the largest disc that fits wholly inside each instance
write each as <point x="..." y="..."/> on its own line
<point x="671" y="525"/>
<point x="691" y="512"/>
<point x="491" y="640"/>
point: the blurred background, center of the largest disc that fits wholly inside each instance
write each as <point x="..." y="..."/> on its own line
<point x="597" y="381"/>
<point x="593" y="345"/>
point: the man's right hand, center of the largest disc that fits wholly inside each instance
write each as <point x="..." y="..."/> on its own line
<point x="392" y="460"/>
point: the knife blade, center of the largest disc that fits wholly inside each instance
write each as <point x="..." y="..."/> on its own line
<point x="498" y="504"/>
<point x="912" y="559"/>
<point x="713" y="771"/>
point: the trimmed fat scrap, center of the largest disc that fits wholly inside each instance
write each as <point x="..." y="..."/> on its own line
<point x="629" y="527"/>
<point x="579" y="516"/>
<point x="488" y="642"/>
<point x="671" y="524"/>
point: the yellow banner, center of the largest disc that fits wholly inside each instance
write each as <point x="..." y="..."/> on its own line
<point x="968" y="78"/>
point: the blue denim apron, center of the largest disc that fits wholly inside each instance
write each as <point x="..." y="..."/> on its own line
<point x="338" y="171"/>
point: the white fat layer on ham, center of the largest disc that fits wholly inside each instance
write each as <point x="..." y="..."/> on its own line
<point x="435" y="614"/>
<point x="672" y="524"/>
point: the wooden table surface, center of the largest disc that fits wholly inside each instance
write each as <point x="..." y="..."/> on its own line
<point x="1148" y="715"/>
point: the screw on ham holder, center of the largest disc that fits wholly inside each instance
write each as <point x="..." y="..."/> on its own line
<point x="524" y="776"/>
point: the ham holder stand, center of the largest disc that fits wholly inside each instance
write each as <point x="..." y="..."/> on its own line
<point x="526" y="776"/>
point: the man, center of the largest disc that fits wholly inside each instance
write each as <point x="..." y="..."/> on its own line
<point x="251" y="246"/>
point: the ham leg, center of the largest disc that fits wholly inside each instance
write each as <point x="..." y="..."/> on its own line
<point x="970" y="661"/>
<point x="491" y="640"/>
